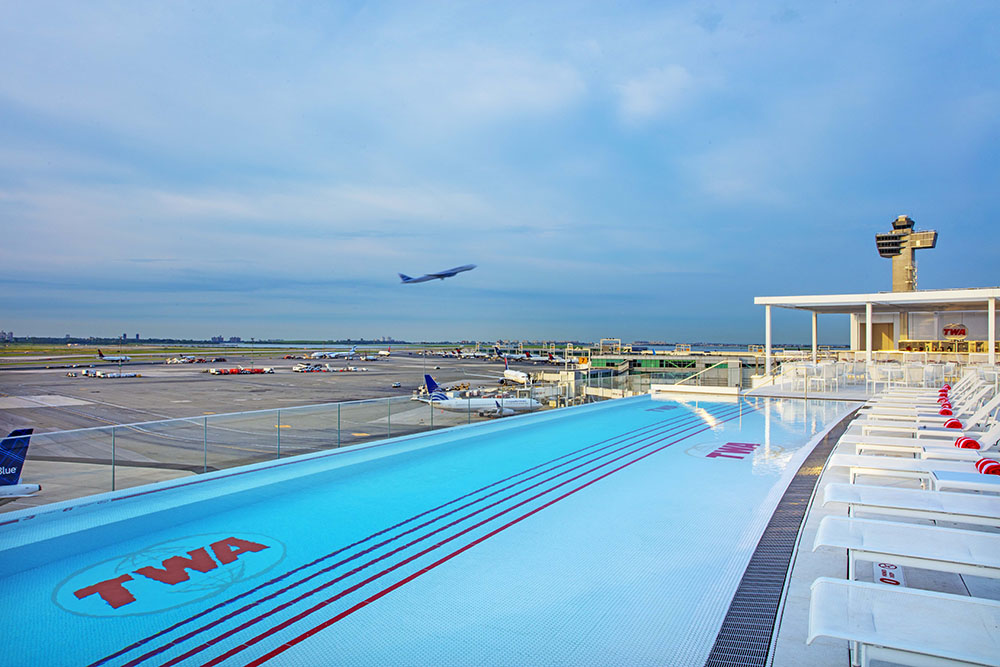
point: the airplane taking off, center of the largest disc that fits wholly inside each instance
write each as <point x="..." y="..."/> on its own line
<point x="120" y="357"/>
<point x="436" y="276"/>
<point x="496" y="407"/>
<point x="13" y="450"/>
<point x="335" y="355"/>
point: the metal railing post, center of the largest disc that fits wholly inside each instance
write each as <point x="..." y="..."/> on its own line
<point x="388" y="417"/>
<point x="204" y="437"/>
<point x="338" y="425"/>
<point x="112" y="458"/>
<point x="278" y="429"/>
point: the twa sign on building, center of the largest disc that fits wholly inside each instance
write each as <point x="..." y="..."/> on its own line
<point x="955" y="332"/>
<point x="168" y="574"/>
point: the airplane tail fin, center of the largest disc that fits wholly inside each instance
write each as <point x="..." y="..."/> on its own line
<point x="405" y="278"/>
<point x="435" y="391"/>
<point x="13" y="449"/>
<point x="505" y="367"/>
<point x="99" y="353"/>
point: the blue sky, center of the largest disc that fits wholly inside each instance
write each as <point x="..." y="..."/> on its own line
<point x="615" y="169"/>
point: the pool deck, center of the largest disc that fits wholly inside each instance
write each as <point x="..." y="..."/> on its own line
<point x="789" y="647"/>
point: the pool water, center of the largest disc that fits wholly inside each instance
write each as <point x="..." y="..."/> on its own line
<point x="614" y="533"/>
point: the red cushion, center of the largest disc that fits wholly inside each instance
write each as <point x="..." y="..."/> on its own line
<point x="965" y="442"/>
<point x="988" y="466"/>
<point x="946" y="412"/>
<point x="953" y="423"/>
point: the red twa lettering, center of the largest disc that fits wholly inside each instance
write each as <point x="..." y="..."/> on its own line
<point x="110" y="590"/>
<point x="229" y="549"/>
<point x="175" y="568"/>
<point x="733" y="450"/>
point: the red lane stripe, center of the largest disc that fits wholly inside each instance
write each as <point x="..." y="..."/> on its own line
<point x="343" y="576"/>
<point x="672" y="421"/>
<point x="277" y="628"/>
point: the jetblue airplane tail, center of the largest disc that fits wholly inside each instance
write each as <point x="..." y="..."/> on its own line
<point x="405" y="278"/>
<point x="13" y="449"/>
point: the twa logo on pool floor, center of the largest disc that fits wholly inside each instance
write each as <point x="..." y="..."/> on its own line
<point x="730" y="450"/>
<point x="168" y="574"/>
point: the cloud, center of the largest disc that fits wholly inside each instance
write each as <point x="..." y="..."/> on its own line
<point x="655" y="93"/>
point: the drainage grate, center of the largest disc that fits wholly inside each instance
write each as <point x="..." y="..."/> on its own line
<point x="745" y="636"/>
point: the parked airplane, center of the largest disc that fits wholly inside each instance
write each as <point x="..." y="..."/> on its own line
<point x="335" y="355"/>
<point x="506" y="406"/>
<point x="559" y="360"/>
<point x="472" y="354"/>
<point x="13" y="449"/>
<point x="120" y="357"/>
<point x="511" y="375"/>
<point x="436" y="276"/>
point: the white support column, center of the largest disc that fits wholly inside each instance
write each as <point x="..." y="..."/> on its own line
<point x="767" y="338"/>
<point x="868" y="332"/>
<point x="991" y="329"/>
<point x="814" y="337"/>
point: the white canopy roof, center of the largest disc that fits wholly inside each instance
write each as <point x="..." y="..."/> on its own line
<point x="976" y="298"/>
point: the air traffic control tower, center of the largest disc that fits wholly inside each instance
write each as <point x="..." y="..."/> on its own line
<point x="899" y="245"/>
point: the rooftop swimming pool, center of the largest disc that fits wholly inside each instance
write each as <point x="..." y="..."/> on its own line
<point x="613" y="533"/>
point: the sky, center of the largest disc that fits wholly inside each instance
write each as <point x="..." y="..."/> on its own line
<point x="630" y="170"/>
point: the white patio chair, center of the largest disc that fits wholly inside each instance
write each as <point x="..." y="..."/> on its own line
<point x="970" y="508"/>
<point x="913" y="375"/>
<point x="956" y="550"/>
<point x="825" y="376"/>
<point x="906" y="626"/>
<point x="897" y="466"/>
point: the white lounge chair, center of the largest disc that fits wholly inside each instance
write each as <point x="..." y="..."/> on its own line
<point x="955" y="550"/>
<point x="925" y="396"/>
<point x="924" y="442"/>
<point x="968" y="508"/>
<point x="905" y="626"/>
<point x="931" y="394"/>
<point x="896" y="466"/>
<point x="960" y="407"/>
<point x="949" y="480"/>
<point x="986" y="413"/>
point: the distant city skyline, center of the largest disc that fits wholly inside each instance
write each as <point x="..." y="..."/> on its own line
<point x="637" y="171"/>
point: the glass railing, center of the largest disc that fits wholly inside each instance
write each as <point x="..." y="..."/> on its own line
<point x="72" y="464"/>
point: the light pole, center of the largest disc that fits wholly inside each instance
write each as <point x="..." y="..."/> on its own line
<point x="251" y="352"/>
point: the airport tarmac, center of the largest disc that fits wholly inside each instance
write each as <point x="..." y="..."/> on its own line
<point x="70" y="465"/>
<point x="48" y="400"/>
